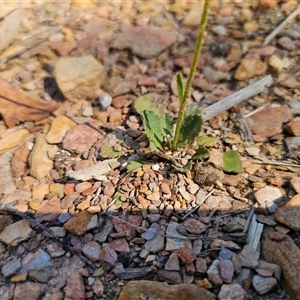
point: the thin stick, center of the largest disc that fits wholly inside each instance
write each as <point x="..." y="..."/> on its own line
<point x="195" y="208"/>
<point x="235" y="98"/>
<point x="271" y="36"/>
<point x="248" y="220"/>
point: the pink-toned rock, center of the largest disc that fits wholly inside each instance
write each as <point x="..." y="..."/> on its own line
<point x="98" y="288"/>
<point x="268" y="197"/>
<point x="293" y="127"/>
<point x="172" y="277"/>
<point x="201" y="265"/>
<point x="145" y="41"/>
<point x="80" y="138"/>
<point x="263" y="51"/>
<point x="295" y="184"/>
<point x="78" y="224"/>
<point x="49" y="210"/>
<point x="272" y="251"/>
<point x="120" y="245"/>
<point x="63" y="48"/>
<point x="148" y="81"/>
<point x="289" y="213"/>
<point x="212" y="76"/>
<point x="194" y="226"/>
<point x="75" y="289"/>
<point x="55" y="249"/>
<point x="82" y="186"/>
<point x="29" y="290"/>
<point x="267" y="269"/>
<point x="58" y="129"/>
<point x="108" y="257"/>
<point x="232" y="291"/>
<point x="250" y="67"/>
<point x="249" y="257"/>
<point x="286" y="43"/>
<point x="68" y="200"/>
<point x="262" y="284"/>
<point x="151" y="290"/>
<point x="15" y="197"/>
<point x="226" y="269"/>
<point x="129" y="231"/>
<point x="92" y="250"/>
<point x="116" y="85"/>
<point x="19" y="160"/>
<point x="123" y="101"/>
<point x="227" y="244"/>
<point x="268" y="122"/>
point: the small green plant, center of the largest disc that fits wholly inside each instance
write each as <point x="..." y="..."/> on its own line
<point x="159" y="125"/>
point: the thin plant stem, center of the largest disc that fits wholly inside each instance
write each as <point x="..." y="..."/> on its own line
<point x="192" y="72"/>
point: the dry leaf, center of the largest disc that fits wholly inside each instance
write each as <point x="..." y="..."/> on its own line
<point x="16" y="107"/>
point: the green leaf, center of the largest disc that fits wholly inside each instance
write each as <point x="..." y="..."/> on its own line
<point x="201" y="153"/>
<point x="134" y="164"/>
<point x="206" y="141"/>
<point x="109" y="152"/>
<point x="157" y="128"/>
<point x="117" y="197"/>
<point x="192" y="111"/>
<point x="180" y="88"/>
<point x="147" y="102"/>
<point x="185" y="168"/>
<point x="232" y="162"/>
<point x="190" y="128"/>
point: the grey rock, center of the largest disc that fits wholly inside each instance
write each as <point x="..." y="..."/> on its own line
<point x="262" y="284"/>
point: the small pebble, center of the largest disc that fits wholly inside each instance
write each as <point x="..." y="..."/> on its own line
<point x="104" y="101"/>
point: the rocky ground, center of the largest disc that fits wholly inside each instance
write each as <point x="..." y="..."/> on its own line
<point x="80" y="219"/>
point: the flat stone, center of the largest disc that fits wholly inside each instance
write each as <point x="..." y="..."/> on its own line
<point x="156" y="244"/>
<point x="151" y="290"/>
<point x="249" y="68"/>
<point x="268" y="197"/>
<point x="267" y="269"/>
<point x="39" y="161"/>
<point x="172" y="263"/>
<point x="270" y="120"/>
<point x="214" y="273"/>
<point x="262" y="284"/>
<point x="226" y="244"/>
<point x="194" y="226"/>
<point x="120" y="245"/>
<point x="29" y="290"/>
<point x="108" y="257"/>
<point x="47" y="210"/>
<point x="289" y="213"/>
<point x="68" y="200"/>
<point x="268" y="220"/>
<point x="226" y="269"/>
<point x="172" y="277"/>
<point x="7" y="184"/>
<point x="293" y="127"/>
<point x="116" y="85"/>
<point x="232" y="291"/>
<point x="39" y="191"/>
<point x="78" y="224"/>
<point x="37" y="260"/>
<point x="173" y="243"/>
<point x="129" y="231"/>
<point x="16" y="233"/>
<point x="92" y="250"/>
<point x="201" y="265"/>
<point x="249" y="257"/>
<point x="78" y="77"/>
<point x="273" y="250"/>
<point x="186" y="255"/>
<point x="145" y="41"/>
<point x="11" y="267"/>
<point x="295" y="184"/>
<point x="80" y="138"/>
<point x="12" y="140"/>
<point x="286" y="43"/>
<point x="58" y="129"/>
<point x="106" y="227"/>
<point x="197" y="246"/>
<point x="75" y="288"/>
